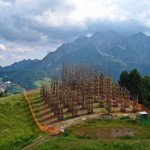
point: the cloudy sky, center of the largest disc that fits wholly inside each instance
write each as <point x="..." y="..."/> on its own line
<point x="30" y="29"/>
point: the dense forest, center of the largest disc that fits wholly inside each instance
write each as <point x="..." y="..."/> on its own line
<point x="137" y="85"/>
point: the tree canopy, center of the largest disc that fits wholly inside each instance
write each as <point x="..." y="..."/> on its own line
<point x="136" y="84"/>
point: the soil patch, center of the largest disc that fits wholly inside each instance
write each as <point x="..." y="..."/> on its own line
<point x="103" y="132"/>
<point x="118" y="132"/>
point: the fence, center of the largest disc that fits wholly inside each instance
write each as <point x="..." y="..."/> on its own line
<point x="49" y="129"/>
<point x="141" y="107"/>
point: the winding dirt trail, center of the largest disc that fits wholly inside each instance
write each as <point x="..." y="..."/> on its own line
<point x="38" y="141"/>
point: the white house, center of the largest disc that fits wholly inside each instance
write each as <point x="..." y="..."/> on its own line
<point x="2" y="90"/>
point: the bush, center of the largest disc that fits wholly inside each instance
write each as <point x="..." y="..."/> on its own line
<point x="127" y="137"/>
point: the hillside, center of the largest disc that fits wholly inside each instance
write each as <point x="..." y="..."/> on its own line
<point x="112" y="52"/>
<point x="16" y="123"/>
<point x="18" y="129"/>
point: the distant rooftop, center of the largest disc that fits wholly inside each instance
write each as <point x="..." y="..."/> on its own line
<point x="2" y="89"/>
<point x="8" y="82"/>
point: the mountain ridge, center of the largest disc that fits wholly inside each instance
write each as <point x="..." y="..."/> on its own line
<point x="109" y="50"/>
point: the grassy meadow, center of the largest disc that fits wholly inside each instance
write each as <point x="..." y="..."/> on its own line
<point x="101" y="135"/>
<point x="17" y="128"/>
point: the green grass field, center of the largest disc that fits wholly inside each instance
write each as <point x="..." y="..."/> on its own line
<point x="17" y="128"/>
<point x="38" y="83"/>
<point x="95" y="135"/>
<point x="70" y="143"/>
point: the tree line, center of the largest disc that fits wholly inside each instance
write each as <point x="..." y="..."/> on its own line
<point x="137" y="85"/>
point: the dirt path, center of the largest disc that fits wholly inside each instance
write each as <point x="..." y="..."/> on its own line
<point x="39" y="141"/>
<point x="80" y="119"/>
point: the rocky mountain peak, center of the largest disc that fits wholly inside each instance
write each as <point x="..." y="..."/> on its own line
<point x="108" y="49"/>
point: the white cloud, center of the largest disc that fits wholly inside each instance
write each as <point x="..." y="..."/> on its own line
<point x="2" y="47"/>
<point x="82" y="12"/>
<point x="16" y="57"/>
<point x="50" y="18"/>
<point x="15" y="49"/>
<point x="2" y="58"/>
<point x="4" y="4"/>
<point x="96" y="10"/>
<point x="144" y="17"/>
<point x="21" y="50"/>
